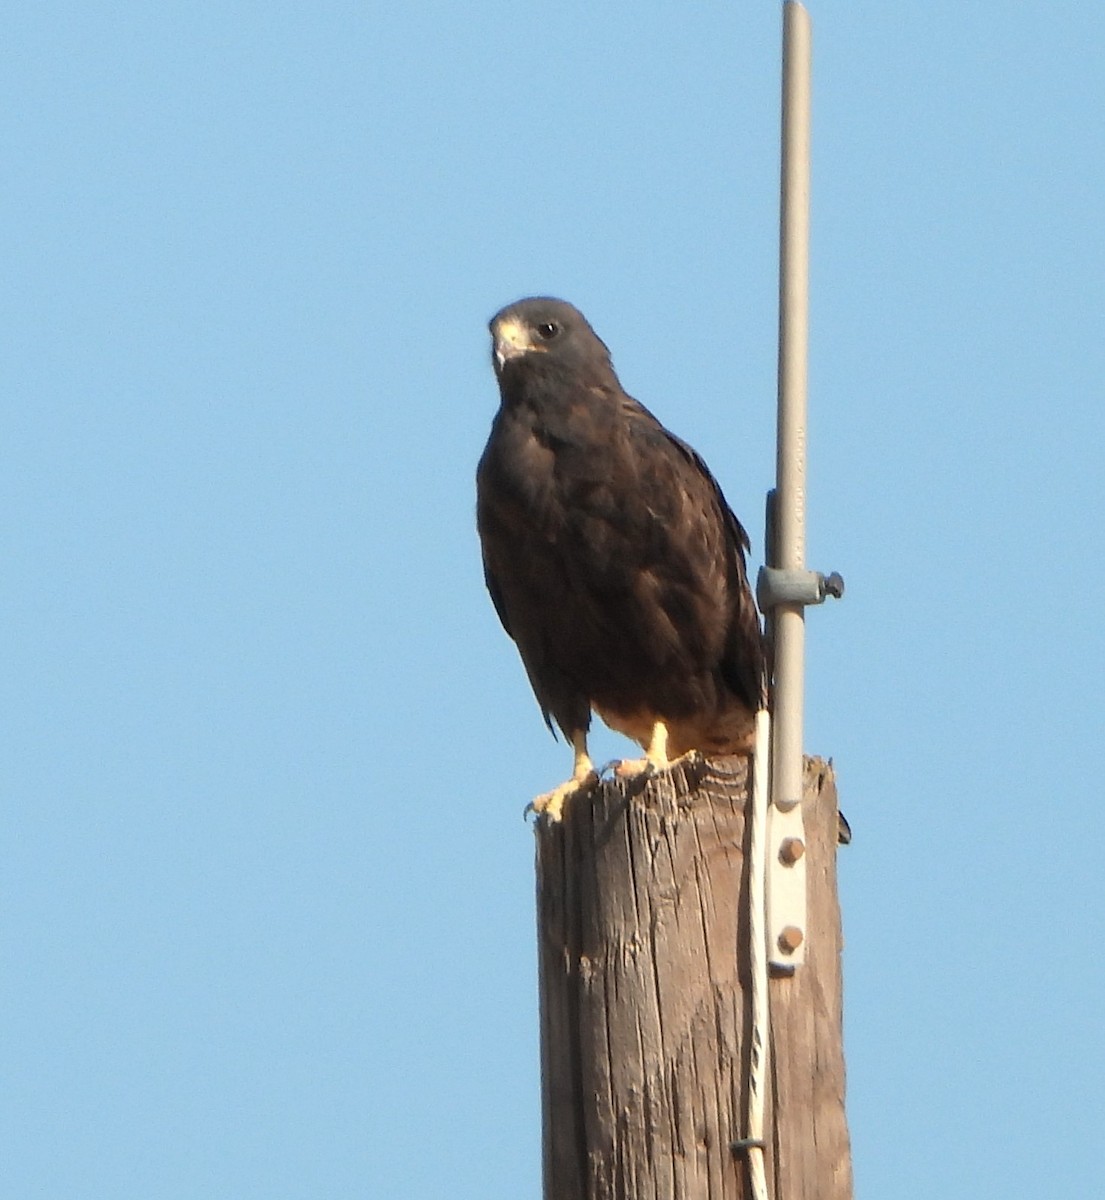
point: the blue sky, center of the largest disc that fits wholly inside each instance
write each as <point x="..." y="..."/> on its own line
<point x="266" y="913"/>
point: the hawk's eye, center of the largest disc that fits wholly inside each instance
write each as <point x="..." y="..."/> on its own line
<point x="548" y="330"/>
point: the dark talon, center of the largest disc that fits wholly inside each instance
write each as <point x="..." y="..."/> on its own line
<point x="843" y="830"/>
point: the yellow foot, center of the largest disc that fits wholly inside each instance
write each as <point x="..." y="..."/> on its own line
<point x="631" y="768"/>
<point x="551" y="804"/>
<point x="584" y="777"/>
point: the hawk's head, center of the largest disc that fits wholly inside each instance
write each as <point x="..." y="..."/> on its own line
<point x="551" y="329"/>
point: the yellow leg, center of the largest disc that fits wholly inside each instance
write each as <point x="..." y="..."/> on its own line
<point x="657" y="752"/>
<point x="583" y="777"/>
<point x="656" y="756"/>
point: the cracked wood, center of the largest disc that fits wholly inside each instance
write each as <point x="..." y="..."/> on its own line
<point x="642" y="921"/>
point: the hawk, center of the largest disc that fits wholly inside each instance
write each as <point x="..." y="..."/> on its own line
<point x="611" y="556"/>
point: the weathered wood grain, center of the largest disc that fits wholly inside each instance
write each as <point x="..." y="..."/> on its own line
<point x="643" y="958"/>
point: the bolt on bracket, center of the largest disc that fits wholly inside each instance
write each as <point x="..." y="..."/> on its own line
<point x="775" y="586"/>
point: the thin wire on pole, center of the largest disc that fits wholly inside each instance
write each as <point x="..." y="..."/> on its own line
<point x="760" y="1048"/>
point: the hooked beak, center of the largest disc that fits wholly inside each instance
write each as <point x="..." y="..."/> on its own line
<point x="510" y="339"/>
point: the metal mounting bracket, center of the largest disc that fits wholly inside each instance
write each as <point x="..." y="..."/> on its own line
<point x="774" y="586"/>
<point x="786" y="887"/>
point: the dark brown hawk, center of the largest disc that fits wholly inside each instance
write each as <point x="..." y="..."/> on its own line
<point x="611" y="555"/>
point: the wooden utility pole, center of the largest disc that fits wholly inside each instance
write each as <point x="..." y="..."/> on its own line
<point x="645" y="997"/>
